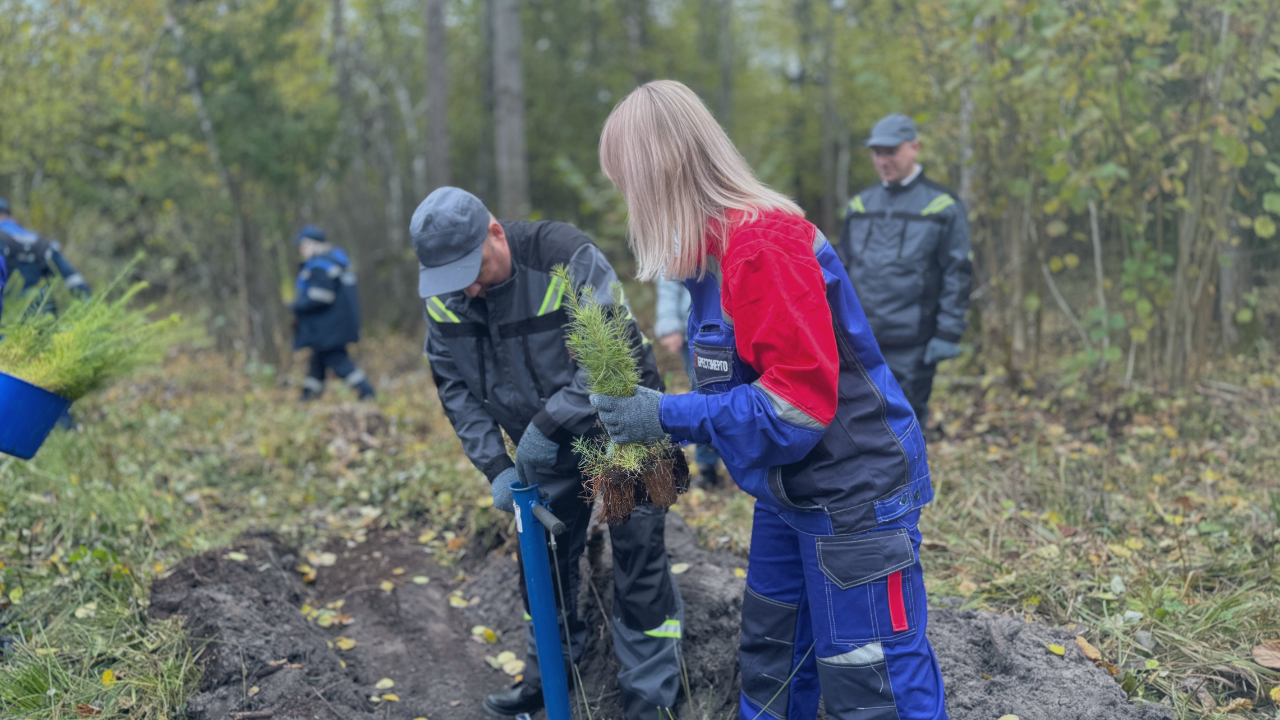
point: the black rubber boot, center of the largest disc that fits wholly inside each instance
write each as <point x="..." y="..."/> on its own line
<point x="708" y="475"/>
<point x="365" y="391"/>
<point x="519" y="698"/>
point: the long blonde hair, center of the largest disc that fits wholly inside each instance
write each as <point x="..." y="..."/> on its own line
<point x="679" y="173"/>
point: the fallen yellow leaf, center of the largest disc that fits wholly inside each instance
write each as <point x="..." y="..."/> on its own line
<point x="1268" y="655"/>
<point x="254" y="690"/>
<point x="1056" y="649"/>
<point x="385" y="684"/>
<point x="237" y="556"/>
<point x="1237" y="704"/>
<point x="398" y="571"/>
<point x="391" y="697"/>
<point x="427" y="537"/>
<point x="1090" y="651"/>
<point x="1275" y="694"/>
<point x="421" y="579"/>
<point x="457" y="602"/>
<point x="344" y="643"/>
<point x="1119" y="550"/>
<point x="108" y="677"/>
<point x="966" y="587"/>
<point x="513" y="668"/>
<point x="387" y="586"/>
<point x="680" y="568"/>
<point x="739" y="573"/>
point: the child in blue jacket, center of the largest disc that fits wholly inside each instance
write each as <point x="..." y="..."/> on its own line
<point x="328" y="312"/>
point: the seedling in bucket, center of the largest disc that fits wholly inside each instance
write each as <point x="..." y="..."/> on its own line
<point x="624" y="476"/>
<point x="48" y="361"/>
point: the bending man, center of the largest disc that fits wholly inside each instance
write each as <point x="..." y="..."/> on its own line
<point x="496" y="343"/>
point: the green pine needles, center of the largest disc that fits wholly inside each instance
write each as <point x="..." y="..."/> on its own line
<point x="600" y="337"/>
<point x="92" y="343"/>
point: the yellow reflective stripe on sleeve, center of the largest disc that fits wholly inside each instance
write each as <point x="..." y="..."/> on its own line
<point x="554" y="290"/>
<point x="527" y="617"/>
<point x="432" y="313"/>
<point x="447" y="312"/>
<point x="855" y="205"/>
<point x="668" y="629"/>
<point x="940" y="203"/>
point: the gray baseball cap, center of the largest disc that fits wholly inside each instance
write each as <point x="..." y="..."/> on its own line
<point x="892" y="131"/>
<point x="448" y="231"/>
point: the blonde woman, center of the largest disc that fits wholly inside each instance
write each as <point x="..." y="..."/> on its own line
<point x="794" y="394"/>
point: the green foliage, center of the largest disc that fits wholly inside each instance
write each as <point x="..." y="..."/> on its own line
<point x="91" y="344"/>
<point x="599" y="338"/>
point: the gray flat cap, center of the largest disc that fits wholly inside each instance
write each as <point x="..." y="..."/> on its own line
<point x="448" y="231"/>
<point x="892" y="131"/>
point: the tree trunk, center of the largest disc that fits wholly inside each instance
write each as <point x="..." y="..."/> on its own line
<point x="830" y="121"/>
<point x="1098" y="281"/>
<point x="240" y="241"/>
<point x="637" y="23"/>
<point x="485" y="150"/>
<point x="509" y="131"/>
<point x="438" y="172"/>
<point x="725" y="45"/>
<point x="967" y="168"/>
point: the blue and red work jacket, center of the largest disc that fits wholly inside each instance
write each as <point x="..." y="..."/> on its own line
<point x="791" y="387"/>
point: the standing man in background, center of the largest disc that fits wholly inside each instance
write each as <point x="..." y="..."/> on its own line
<point x="670" y="325"/>
<point x="328" y="312"/>
<point x="905" y="245"/>
<point x="36" y="258"/>
<point x="496" y="342"/>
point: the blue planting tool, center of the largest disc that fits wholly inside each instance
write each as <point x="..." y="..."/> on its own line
<point x="27" y="414"/>
<point x="532" y="521"/>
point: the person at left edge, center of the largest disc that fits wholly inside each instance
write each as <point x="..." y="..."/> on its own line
<point x="328" y="312"/>
<point x="495" y="339"/>
<point x="36" y="258"/>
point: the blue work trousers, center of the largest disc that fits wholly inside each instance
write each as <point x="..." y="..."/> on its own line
<point x="822" y="618"/>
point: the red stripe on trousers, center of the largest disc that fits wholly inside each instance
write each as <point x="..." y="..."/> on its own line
<point x="897" y="609"/>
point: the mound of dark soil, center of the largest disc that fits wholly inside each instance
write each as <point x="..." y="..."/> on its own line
<point x="248" y="612"/>
<point x="259" y="652"/>
<point x="993" y="665"/>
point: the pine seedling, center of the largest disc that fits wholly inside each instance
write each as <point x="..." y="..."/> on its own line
<point x="92" y="343"/>
<point x="599" y="336"/>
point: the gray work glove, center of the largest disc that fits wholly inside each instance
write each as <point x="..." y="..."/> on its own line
<point x="939" y="350"/>
<point x="632" y="419"/>
<point x="535" y="452"/>
<point x="502" y="497"/>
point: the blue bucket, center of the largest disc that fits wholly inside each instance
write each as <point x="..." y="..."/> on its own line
<point x="27" y="414"/>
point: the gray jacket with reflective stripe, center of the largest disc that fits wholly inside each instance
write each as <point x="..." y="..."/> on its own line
<point x="500" y="361"/>
<point x="906" y="249"/>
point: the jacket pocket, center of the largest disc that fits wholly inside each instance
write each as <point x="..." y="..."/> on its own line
<point x="714" y="359"/>
<point x="767" y="650"/>
<point x="858" y="571"/>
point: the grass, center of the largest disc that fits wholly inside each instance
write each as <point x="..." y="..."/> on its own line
<point x="90" y="344"/>
<point x="1115" y="514"/>
<point x="1045" y="497"/>
<point x="183" y="459"/>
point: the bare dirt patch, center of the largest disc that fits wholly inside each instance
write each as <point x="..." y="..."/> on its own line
<point x="248" y="614"/>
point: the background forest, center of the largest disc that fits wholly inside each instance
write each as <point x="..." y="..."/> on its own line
<point x="1117" y="157"/>
<point x="1108" y="460"/>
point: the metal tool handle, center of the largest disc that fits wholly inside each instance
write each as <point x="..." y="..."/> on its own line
<point x="549" y="521"/>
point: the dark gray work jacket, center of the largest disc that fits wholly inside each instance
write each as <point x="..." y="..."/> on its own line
<point x="500" y="361"/>
<point x="906" y="249"/>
